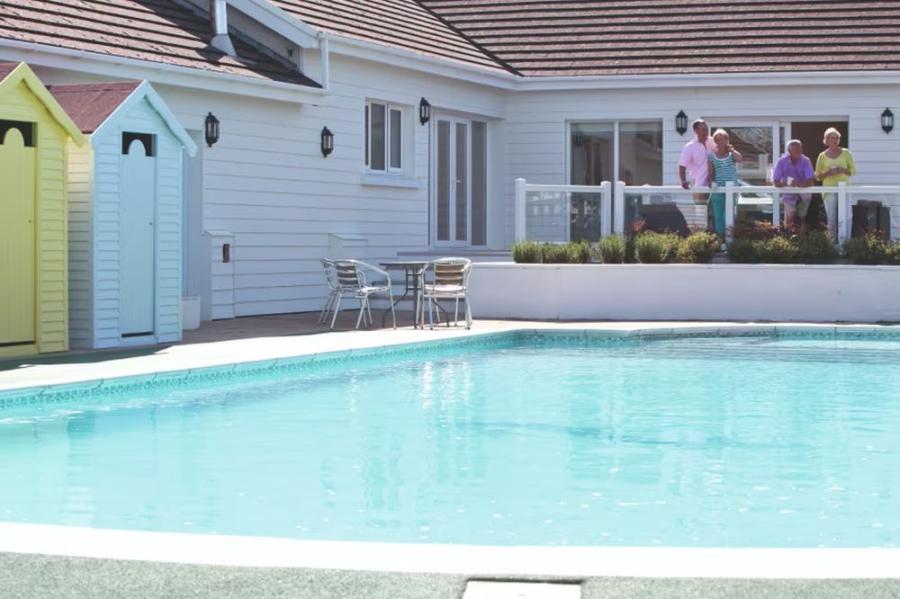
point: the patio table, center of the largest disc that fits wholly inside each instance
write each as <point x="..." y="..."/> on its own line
<point x="413" y="271"/>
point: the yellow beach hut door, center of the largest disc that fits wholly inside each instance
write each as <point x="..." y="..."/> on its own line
<point x="17" y="242"/>
<point x="136" y="236"/>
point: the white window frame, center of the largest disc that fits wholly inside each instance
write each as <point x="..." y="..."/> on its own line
<point x="368" y="137"/>
<point x="567" y="158"/>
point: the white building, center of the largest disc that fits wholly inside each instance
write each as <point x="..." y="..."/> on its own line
<point x="573" y="94"/>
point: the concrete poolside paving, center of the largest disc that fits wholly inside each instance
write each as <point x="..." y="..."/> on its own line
<point x="50" y="577"/>
<point x="271" y="337"/>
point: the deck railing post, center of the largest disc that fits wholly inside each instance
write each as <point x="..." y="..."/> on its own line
<point x="729" y="210"/>
<point x="619" y="208"/>
<point x="606" y="211"/>
<point x="843" y="206"/>
<point x="521" y="191"/>
<point x="776" y="209"/>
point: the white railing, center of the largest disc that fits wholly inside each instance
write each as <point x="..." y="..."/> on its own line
<point x="544" y="212"/>
<point x="614" y="199"/>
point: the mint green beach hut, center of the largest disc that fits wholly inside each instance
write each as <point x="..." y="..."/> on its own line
<point x="125" y="215"/>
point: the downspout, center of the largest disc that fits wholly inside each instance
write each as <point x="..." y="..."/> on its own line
<point x="325" y="60"/>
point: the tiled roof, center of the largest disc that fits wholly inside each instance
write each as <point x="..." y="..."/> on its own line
<point x="399" y="23"/>
<point x="614" y="37"/>
<point x="90" y="104"/>
<point x="159" y="31"/>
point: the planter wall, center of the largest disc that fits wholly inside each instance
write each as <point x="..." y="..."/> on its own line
<point x="819" y="293"/>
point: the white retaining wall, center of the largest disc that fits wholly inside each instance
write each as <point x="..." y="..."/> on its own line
<point x="819" y="293"/>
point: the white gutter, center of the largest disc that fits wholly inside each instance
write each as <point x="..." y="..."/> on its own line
<point x="191" y="78"/>
<point x="805" y="78"/>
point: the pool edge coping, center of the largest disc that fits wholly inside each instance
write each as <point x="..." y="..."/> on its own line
<point x="88" y="381"/>
<point x="471" y="560"/>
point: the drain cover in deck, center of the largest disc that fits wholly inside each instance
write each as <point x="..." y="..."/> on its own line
<point x="482" y="589"/>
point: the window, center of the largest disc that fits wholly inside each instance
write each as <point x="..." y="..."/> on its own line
<point x="384" y="137"/>
<point x="629" y="151"/>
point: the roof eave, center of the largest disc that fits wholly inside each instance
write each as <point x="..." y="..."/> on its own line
<point x="416" y="61"/>
<point x="745" y="79"/>
<point x="178" y="76"/>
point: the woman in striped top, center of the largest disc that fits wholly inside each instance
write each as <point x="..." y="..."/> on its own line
<point x="722" y="170"/>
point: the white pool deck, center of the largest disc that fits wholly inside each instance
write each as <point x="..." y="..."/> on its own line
<point x="657" y="562"/>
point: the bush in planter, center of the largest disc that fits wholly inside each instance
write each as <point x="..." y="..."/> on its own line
<point x="894" y="254"/>
<point x="526" y="252"/>
<point x="743" y="251"/>
<point x="579" y="252"/>
<point x="612" y="249"/>
<point x="655" y="248"/>
<point x="778" y="250"/>
<point x="555" y="253"/>
<point x="698" y="248"/>
<point x="868" y="249"/>
<point x="816" y="247"/>
<point x="756" y="230"/>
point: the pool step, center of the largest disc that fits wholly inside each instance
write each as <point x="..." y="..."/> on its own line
<point x="490" y="589"/>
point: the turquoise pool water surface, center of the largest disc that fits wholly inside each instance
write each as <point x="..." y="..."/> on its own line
<point x="522" y="439"/>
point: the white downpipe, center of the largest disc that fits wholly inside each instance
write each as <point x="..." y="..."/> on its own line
<point x="619" y="208"/>
<point x="729" y="210"/>
<point x="520" y="209"/>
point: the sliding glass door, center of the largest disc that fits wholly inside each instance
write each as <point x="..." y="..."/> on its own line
<point x="459" y="176"/>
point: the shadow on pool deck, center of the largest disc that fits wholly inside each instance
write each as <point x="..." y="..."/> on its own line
<point x="47" y="577"/>
<point x="248" y="327"/>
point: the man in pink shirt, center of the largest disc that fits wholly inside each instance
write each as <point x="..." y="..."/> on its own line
<point x="695" y="158"/>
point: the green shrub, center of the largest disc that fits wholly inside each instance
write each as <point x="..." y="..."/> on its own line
<point x="655" y="248"/>
<point x="816" y="247"/>
<point x="698" y="248"/>
<point x="894" y="254"/>
<point x="579" y="252"/>
<point x="630" y="257"/>
<point x="778" y="250"/>
<point x="554" y="253"/>
<point x="743" y="251"/>
<point x="754" y="230"/>
<point x="612" y="249"/>
<point x="868" y="249"/>
<point x="526" y="252"/>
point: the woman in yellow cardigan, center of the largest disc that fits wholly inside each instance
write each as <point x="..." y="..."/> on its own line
<point x="835" y="165"/>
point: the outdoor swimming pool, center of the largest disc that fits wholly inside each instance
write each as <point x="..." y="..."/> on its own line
<point x="518" y="438"/>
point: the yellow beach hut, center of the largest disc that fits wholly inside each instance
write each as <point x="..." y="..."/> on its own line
<point x="34" y="132"/>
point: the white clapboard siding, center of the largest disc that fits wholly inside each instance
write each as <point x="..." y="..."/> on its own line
<point x="268" y="188"/>
<point x="80" y="173"/>
<point x="536" y="143"/>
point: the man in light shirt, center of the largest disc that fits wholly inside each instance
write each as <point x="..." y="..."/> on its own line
<point x="695" y="158"/>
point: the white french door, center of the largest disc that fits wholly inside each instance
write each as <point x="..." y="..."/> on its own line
<point x="459" y="182"/>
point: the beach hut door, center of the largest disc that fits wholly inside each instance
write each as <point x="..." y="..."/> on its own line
<point x="137" y="239"/>
<point x="17" y="242"/>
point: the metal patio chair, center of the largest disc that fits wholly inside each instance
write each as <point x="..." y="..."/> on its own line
<point x="332" y="282"/>
<point x="353" y="282"/>
<point x="449" y="281"/>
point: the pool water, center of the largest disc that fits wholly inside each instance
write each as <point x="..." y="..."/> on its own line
<point x="534" y="439"/>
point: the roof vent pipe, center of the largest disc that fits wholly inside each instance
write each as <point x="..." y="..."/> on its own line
<point x="218" y="13"/>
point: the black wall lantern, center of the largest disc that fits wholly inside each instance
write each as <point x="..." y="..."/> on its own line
<point x="681" y="124"/>
<point x="887" y="120"/>
<point x="212" y="129"/>
<point x="424" y="111"/>
<point x="327" y="141"/>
